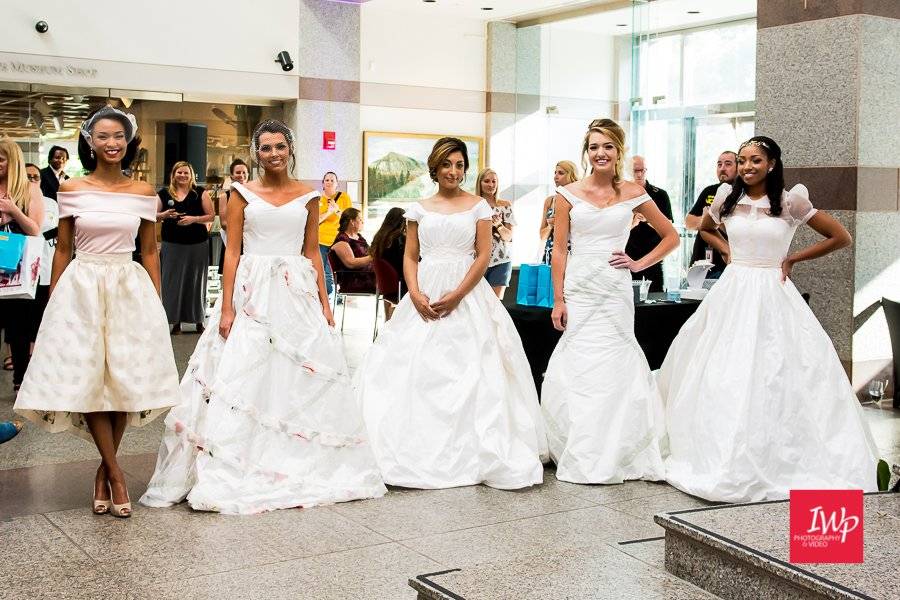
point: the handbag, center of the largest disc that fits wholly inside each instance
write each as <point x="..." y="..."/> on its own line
<point x="535" y="286"/>
<point x="11" y="247"/>
<point x="23" y="282"/>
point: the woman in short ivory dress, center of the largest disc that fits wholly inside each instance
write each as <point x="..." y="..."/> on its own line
<point x="103" y="359"/>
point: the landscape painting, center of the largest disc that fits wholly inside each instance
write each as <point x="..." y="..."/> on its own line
<point x="396" y="169"/>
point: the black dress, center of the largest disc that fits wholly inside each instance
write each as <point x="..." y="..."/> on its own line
<point x="184" y="260"/>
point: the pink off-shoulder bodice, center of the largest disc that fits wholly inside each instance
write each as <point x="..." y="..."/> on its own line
<point x="106" y="222"/>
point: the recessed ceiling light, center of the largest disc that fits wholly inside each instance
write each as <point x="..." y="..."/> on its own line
<point x="487" y="8"/>
<point x="621" y="24"/>
<point x="693" y="12"/>
<point x="429" y="0"/>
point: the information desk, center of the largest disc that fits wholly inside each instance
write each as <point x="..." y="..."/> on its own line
<point x="656" y="323"/>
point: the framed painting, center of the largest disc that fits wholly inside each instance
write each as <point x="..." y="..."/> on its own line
<point x="395" y="169"/>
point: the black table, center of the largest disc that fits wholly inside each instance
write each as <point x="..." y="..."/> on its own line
<point x="655" y="326"/>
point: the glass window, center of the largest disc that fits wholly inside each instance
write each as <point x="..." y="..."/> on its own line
<point x="720" y="64"/>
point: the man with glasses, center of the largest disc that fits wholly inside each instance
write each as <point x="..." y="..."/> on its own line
<point x="726" y="171"/>
<point x="643" y="237"/>
<point x="54" y="173"/>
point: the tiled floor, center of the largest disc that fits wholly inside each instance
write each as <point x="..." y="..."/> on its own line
<point x="53" y="547"/>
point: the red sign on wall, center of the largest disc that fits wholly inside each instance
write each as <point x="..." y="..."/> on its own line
<point x="328" y="142"/>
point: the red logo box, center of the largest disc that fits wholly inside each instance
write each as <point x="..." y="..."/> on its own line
<point x="826" y="526"/>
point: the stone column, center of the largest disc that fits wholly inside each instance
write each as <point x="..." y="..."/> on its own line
<point x="328" y="94"/>
<point x="828" y="91"/>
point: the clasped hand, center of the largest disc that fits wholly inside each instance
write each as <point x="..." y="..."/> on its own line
<point x="431" y="311"/>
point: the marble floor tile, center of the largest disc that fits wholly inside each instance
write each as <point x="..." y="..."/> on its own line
<point x="599" y="572"/>
<point x="544" y="536"/>
<point x="413" y="513"/>
<point x="608" y="494"/>
<point x="54" y="487"/>
<point x="178" y="543"/>
<point x="648" y="506"/>
<point x="380" y="571"/>
<point x="651" y="552"/>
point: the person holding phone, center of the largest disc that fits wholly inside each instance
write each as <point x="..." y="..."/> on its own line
<point x="332" y="203"/>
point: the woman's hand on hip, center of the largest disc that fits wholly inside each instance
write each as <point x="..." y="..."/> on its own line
<point x="620" y="260"/>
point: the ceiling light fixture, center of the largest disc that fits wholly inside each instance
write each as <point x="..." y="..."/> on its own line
<point x="487" y="8"/>
<point x="693" y="12"/>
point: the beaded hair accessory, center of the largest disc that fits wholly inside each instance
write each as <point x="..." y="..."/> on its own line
<point x="757" y="143"/>
<point x="108" y="112"/>
<point x="271" y="126"/>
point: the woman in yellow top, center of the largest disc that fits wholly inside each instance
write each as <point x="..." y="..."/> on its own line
<point x="331" y="204"/>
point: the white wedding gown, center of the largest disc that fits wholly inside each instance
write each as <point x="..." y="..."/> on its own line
<point x="451" y="402"/>
<point x="757" y="402"/>
<point x="603" y="411"/>
<point x="267" y="418"/>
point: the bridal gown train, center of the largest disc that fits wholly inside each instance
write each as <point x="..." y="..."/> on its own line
<point x="602" y="408"/>
<point x="267" y="418"/>
<point x="451" y="402"/>
<point x="757" y="402"/>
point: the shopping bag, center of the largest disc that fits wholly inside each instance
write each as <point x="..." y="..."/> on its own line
<point x="526" y="289"/>
<point x="545" y="287"/>
<point x="535" y="286"/>
<point x="11" y="247"/>
<point x="24" y="281"/>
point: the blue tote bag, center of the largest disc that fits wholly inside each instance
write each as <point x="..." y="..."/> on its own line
<point x="12" y="245"/>
<point x="535" y="286"/>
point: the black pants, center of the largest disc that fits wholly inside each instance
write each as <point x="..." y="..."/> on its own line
<point x="21" y="320"/>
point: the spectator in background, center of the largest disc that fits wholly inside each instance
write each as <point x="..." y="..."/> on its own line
<point x="643" y="238"/>
<point x="388" y="244"/>
<point x="21" y="211"/>
<point x="726" y="171"/>
<point x="239" y="172"/>
<point x="184" y="209"/>
<point x="54" y="173"/>
<point x="350" y="252"/>
<point x="332" y="203"/>
<point x="499" y="268"/>
<point x="50" y="230"/>
<point x="565" y="173"/>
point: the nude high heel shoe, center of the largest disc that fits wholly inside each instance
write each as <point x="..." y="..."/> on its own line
<point x="122" y="511"/>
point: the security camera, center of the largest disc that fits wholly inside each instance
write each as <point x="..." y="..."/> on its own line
<point x="42" y="27"/>
<point x="284" y="59"/>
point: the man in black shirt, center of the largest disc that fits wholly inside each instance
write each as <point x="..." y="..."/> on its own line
<point x="53" y="174"/>
<point x="643" y="237"/>
<point x="726" y="170"/>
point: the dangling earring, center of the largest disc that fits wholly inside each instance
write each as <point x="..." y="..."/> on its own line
<point x="92" y="153"/>
<point x="770" y="170"/>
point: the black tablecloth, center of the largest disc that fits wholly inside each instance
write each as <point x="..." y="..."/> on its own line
<point x="655" y="326"/>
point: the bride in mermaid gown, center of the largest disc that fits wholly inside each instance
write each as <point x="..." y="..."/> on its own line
<point x="602" y="409"/>
<point x="446" y="390"/>
<point x="267" y="418"/>
<point x="757" y="402"/>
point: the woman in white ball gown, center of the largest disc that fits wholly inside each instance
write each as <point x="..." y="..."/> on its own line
<point x="267" y="419"/>
<point x="446" y="389"/>
<point x="602" y="408"/>
<point x="757" y="402"/>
